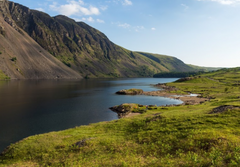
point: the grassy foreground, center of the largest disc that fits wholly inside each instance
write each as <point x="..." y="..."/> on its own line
<point x="189" y="135"/>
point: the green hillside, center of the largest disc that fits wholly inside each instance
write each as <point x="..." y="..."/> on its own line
<point x="168" y="62"/>
<point x="205" y="69"/>
<point x="192" y="71"/>
<point x="206" y="134"/>
<point x="83" y="48"/>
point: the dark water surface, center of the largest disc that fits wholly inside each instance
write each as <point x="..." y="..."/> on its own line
<point x="33" y="107"/>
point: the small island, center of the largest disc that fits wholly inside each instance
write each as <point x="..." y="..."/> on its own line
<point x="132" y="91"/>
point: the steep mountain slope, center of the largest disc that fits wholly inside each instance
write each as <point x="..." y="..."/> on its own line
<point x="81" y="47"/>
<point x="22" y="58"/>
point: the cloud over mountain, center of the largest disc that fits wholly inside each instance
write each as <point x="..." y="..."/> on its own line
<point x="73" y="7"/>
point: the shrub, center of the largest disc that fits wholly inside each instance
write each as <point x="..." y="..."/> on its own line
<point x="67" y="63"/>
<point x="14" y="59"/>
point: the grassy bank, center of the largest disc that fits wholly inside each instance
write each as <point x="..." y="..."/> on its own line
<point x="206" y="134"/>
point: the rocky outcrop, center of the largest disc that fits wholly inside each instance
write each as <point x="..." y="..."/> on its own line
<point x="81" y="143"/>
<point x="223" y="108"/>
<point x="2" y="30"/>
<point x="166" y="87"/>
<point x="124" y="109"/>
<point x="187" y="79"/>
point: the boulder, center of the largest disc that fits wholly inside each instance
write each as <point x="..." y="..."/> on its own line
<point x="124" y="109"/>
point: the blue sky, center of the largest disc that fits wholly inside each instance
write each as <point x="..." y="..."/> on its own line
<point x="199" y="32"/>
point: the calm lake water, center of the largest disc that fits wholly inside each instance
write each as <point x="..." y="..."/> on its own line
<point x="34" y="107"/>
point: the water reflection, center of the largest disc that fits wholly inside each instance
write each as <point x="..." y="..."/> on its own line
<point x="33" y="107"/>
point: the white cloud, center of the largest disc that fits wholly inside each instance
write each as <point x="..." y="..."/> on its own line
<point x="153" y="29"/>
<point x="77" y="19"/>
<point x="89" y="19"/>
<point x="100" y="21"/>
<point x="74" y="8"/>
<point x="127" y="2"/>
<point x="129" y="27"/>
<point x="104" y="8"/>
<point x="185" y="6"/>
<point x="224" y="2"/>
<point x="40" y="9"/>
<point x="123" y="2"/>
<point x="139" y="28"/>
<point x="83" y="19"/>
<point x="124" y="25"/>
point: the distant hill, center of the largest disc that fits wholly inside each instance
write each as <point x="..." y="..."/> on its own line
<point x="168" y="62"/>
<point x="190" y="71"/>
<point x="205" y="69"/>
<point x="80" y="47"/>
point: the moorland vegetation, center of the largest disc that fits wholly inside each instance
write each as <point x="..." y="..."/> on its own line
<point x="206" y="134"/>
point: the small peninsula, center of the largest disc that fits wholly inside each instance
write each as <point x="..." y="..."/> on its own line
<point x="127" y="110"/>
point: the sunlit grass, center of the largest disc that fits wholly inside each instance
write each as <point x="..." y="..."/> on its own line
<point x="187" y="135"/>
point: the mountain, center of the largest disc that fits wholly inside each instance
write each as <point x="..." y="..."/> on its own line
<point x="81" y="47"/>
<point x="21" y="57"/>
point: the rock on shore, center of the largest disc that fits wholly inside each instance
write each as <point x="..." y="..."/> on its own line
<point x="127" y="108"/>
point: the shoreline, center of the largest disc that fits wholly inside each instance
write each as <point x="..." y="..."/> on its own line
<point x="189" y="99"/>
<point x="186" y="99"/>
<point x="166" y="91"/>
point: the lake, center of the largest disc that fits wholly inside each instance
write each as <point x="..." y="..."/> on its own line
<point x="38" y="106"/>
